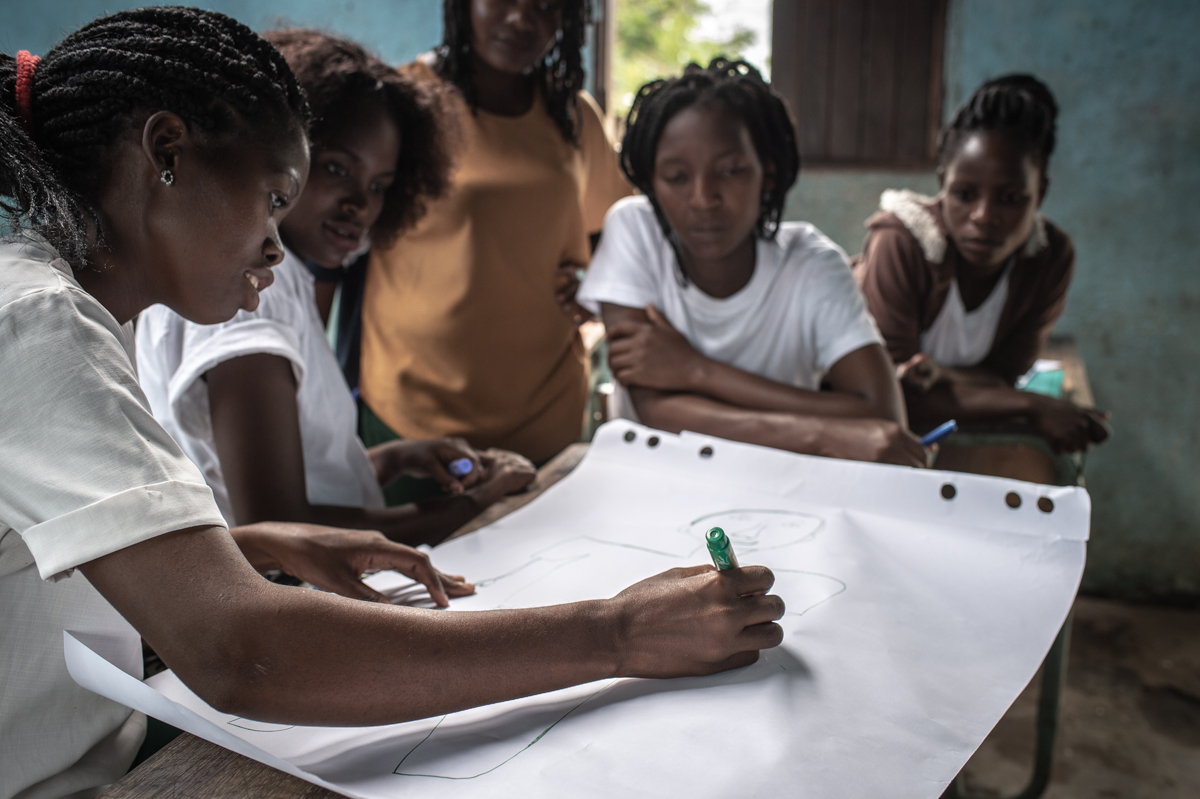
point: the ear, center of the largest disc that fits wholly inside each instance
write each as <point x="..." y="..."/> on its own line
<point x="1043" y="187"/>
<point x="941" y="177"/>
<point x="164" y="138"/>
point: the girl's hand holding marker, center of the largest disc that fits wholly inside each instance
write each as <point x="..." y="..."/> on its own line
<point x="938" y="433"/>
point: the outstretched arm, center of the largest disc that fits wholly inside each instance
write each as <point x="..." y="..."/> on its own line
<point x="645" y="351"/>
<point x="295" y="656"/>
<point x="256" y="427"/>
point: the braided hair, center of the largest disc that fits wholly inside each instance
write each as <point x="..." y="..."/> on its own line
<point x="337" y="75"/>
<point x="740" y="88"/>
<point x="211" y="70"/>
<point x="1019" y="106"/>
<point x="560" y="73"/>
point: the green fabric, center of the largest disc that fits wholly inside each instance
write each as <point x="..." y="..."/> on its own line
<point x="1049" y="383"/>
<point x="404" y="489"/>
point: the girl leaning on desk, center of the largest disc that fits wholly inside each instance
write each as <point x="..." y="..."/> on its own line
<point x="149" y="157"/>
<point x="967" y="286"/>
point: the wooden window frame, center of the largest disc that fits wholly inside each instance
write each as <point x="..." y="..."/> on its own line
<point x="857" y="96"/>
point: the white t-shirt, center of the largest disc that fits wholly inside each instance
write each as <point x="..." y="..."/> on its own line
<point x="959" y="337"/>
<point x="800" y="313"/>
<point x="174" y="354"/>
<point x="85" y="470"/>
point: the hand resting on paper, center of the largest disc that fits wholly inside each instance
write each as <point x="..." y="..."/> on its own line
<point x="269" y="652"/>
<point x="333" y="559"/>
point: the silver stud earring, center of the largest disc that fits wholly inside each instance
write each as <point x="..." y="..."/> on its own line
<point x="167" y="177"/>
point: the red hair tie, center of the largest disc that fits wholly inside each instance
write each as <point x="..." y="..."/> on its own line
<point x="26" y="63"/>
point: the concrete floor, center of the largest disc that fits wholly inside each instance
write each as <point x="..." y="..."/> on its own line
<point x="1131" y="712"/>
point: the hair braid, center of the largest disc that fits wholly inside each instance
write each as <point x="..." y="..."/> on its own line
<point x="560" y="74"/>
<point x="1020" y="106"/>
<point x="741" y="89"/>
<point x="211" y="70"/>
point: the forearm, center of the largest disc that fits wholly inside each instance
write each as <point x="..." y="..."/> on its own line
<point x="732" y="386"/>
<point x="297" y="656"/>
<point x="972" y="376"/>
<point x="415" y="523"/>
<point x="395" y="664"/>
<point x="678" y="412"/>
<point x="967" y="402"/>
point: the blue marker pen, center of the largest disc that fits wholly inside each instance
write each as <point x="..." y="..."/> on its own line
<point x="938" y="433"/>
<point x="461" y="467"/>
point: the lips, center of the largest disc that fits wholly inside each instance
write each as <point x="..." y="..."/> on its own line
<point x="259" y="277"/>
<point x="343" y="235"/>
<point x="981" y="246"/>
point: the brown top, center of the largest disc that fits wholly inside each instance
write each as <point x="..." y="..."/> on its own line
<point x="907" y="266"/>
<point x="462" y="334"/>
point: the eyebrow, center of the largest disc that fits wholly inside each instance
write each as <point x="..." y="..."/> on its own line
<point x="348" y="153"/>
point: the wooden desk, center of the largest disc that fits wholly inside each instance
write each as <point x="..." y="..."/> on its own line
<point x="192" y="768"/>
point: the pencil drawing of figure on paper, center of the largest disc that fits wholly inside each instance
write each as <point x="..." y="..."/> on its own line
<point x="758" y="535"/>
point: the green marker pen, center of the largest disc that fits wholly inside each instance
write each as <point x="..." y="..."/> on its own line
<point x="720" y="549"/>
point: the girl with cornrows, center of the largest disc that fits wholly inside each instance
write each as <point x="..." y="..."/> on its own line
<point x="469" y="322"/>
<point x="721" y="318"/>
<point x="150" y="157"/>
<point x="379" y="154"/>
<point x="967" y="286"/>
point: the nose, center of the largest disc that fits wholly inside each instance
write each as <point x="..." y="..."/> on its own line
<point x="704" y="194"/>
<point x="273" y="247"/>
<point x="356" y="201"/>
<point x="983" y="212"/>
<point x="520" y="15"/>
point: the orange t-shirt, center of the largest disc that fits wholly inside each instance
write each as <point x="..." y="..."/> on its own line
<point x="461" y="332"/>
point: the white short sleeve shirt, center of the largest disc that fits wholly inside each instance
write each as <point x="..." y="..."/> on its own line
<point x="800" y="313"/>
<point x="174" y="354"/>
<point x="85" y="470"/>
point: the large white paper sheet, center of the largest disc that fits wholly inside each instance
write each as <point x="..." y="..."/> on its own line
<point x="913" y="622"/>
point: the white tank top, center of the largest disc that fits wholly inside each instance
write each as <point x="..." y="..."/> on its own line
<point x="959" y="338"/>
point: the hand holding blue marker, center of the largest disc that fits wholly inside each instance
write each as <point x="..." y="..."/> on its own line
<point x="938" y="433"/>
<point x="461" y="467"/>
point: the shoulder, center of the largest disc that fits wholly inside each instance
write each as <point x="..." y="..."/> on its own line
<point x="911" y="222"/>
<point x="38" y="290"/>
<point x="420" y="69"/>
<point x="807" y="251"/>
<point x="28" y="266"/>
<point x="1054" y="243"/>
<point x="632" y="213"/>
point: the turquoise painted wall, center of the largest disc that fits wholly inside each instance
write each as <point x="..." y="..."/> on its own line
<point x="396" y="29"/>
<point x="1125" y="174"/>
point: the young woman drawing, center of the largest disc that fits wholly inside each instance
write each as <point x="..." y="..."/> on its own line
<point x="258" y="402"/>
<point x="149" y="158"/>
<point x="967" y="286"/>
<point x="722" y="319"/>
<point x="487" y="346"/>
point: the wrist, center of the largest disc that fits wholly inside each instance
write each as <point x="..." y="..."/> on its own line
<point x="609" y="629"/>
